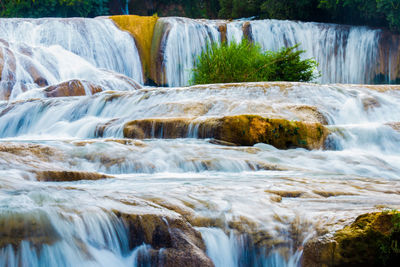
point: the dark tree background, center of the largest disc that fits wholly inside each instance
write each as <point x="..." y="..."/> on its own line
<point x="377" y="13"/>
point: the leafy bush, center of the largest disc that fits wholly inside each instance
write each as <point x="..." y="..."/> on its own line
<point x="246" y="62"/>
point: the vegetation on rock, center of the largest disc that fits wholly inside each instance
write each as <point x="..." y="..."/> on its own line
<point x="245" y="130"/>
<point x="371" y="240"/>
<point x="246" y="62"/>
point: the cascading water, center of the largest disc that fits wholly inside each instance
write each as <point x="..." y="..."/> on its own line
<point x="345" y="54"/>
<point x="75" y="192"/>
<point x="98" y="41"/>
<point x="42" y="52"/>
<point x="184" y="42"/>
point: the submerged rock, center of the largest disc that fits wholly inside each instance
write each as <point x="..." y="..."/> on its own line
<point x="43" y="162"/>
<point x="68" y="176"/>
<point x="371" y="240"/>
<point x="245" y="130"/>
<point x="394" y="125"/>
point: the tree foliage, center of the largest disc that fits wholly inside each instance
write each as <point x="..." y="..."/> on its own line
<point x="377" y="13"/>
<point x="246" y="62"/>
<point x="361" y="12"/>
<point x="53" y="8"/>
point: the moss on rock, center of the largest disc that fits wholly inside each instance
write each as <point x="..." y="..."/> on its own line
<point x="371" y="240"/>
<point x="245" y="130"/>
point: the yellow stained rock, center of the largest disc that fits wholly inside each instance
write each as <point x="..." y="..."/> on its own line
<point x="142" y="29"/>
<point x="245" y="130"/>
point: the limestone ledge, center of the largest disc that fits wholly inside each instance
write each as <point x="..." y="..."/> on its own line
<point x="244" y="130"/>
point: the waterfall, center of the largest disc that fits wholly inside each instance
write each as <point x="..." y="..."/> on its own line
<point x="185" y="41"/>
<point x="345" y="54"/>
<point x="98" y="41"/>
<point x="41" y="52"/>
<point x="126" y="11"/>
<point x="232" y="250"/>
<point x="127" y="176"/>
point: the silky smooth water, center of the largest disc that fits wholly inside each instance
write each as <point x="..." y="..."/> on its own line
<point x="253" y="206"/>
<point x="345" y="54"/>
<point x="41" y="52"/>
<point x="234" y="185"/>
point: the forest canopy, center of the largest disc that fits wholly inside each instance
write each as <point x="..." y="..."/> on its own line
<point x="378" y="13"/>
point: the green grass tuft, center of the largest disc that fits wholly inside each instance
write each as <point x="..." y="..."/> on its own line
<point x="246" y="62"/>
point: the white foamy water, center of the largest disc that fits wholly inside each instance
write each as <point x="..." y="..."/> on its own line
<point x="98" y="41"/>
<point x="252" y="206"/>
<point x="345" y="54"/>
<point x="183" y="44"/>
<point x="41" y="52"/>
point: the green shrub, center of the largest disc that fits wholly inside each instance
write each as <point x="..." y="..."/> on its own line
<point x="246" y="62"/>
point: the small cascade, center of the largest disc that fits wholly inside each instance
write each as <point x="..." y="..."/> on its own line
<point x="233" y="250"/>
<point x="51" y="237"/>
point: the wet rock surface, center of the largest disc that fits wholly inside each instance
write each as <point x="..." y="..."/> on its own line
<point x="34" y="228"/>
<point x="245" y="130"/>
<point x="371" y="240"/>
<point x="72" y="88"/>
<point x="174" y="241"/>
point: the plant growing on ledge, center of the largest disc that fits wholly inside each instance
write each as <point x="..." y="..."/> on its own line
<point x="246" y="62"/>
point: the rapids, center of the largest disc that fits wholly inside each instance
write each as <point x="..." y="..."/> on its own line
<point x="75" y="192"/>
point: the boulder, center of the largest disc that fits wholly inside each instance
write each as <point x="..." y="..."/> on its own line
<point x="72" y="88"/>
<point x="371" y="240"/>
<point x="34" y="227"/>
<point x="245" y="130"/>
<point x="174" y="242"/>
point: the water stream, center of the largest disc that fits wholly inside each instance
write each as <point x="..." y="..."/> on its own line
<point x="345" y="54"/>
<point x="75" y="192"/>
